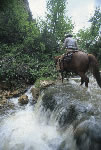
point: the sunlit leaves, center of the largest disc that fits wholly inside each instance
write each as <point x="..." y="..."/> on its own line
<point x="56" y="18"/>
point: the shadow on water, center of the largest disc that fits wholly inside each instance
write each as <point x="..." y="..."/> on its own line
<point x="66" y="117"/>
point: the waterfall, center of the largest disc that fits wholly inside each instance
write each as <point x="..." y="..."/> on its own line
<point x="28" y="129"/>
<point x="50" y="123"/>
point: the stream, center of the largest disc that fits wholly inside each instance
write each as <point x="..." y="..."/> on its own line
<point x="50" y="124"/>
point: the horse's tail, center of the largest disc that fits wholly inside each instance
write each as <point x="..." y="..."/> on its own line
<point x="93" y="65"/>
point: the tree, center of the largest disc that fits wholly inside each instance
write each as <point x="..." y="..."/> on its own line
<point x="18" y="41"/>
<point x="15" y="20"/>
<point x="58" y="23"/>
<point x="95" y="22"/>
<point x="94" y="46"/>
<point x="84" y="39"/>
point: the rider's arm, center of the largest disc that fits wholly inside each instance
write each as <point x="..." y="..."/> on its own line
<point x="76" y="44"/>
<point x="65" y="43"/>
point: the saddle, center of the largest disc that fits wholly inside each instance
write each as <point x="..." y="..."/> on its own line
<point x="68" y="55"/>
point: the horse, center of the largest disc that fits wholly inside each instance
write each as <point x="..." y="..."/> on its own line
<point x="80" y="63"/>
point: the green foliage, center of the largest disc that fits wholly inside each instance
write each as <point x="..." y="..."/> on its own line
<point x="27" y="47"/>
<point x="85" y="39"/>
<point x="52" y="30"/>
<point x="37" y="82"/>
<point x="18" y="36"/>
<point x="15" y="26"/>
<point x="96" y="22"/>
<point x="58" y="23"/>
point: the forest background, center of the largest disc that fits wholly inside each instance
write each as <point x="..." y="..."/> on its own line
<point x="28" y="46"/>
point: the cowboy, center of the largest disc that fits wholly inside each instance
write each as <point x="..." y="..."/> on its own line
<point x="70" y="43"/>
<point x="71" y="46"/>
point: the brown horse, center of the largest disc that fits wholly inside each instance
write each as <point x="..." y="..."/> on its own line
<point x="80" y="63"/>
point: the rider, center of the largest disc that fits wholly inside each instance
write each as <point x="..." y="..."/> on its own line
<point x="70" y="43"/>
<point x="71" y="46"/>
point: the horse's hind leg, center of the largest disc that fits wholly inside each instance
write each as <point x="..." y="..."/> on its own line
<point x="84" y="78"/>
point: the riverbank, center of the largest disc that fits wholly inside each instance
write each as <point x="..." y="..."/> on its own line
<point x="72" y="110"/>
<point x="7" y="92"/>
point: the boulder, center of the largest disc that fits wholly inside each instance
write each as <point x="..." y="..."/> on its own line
<point x="45" y="83"/>
<point x="6" y="104"/>
<point x="42" y="84"/>
<point x="35" y="93"/>
<point x="88" y="135"/>
<point x="23" y="99"/>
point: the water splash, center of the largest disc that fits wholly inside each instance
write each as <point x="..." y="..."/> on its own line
<point x="28" y="129"/>
<point x="23" y="131"/>
<point x="32" y="128"/>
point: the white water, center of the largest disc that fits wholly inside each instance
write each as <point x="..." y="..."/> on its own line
<point x="29" y="129"/>
<point x="24" y="130"/>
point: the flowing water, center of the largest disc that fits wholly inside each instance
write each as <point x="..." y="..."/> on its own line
<point x="32" y="127"/>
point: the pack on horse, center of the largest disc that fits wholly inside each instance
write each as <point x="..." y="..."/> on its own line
<point x="80" y="63"/>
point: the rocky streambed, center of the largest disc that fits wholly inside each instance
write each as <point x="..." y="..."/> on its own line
<point x="53" y="116"/>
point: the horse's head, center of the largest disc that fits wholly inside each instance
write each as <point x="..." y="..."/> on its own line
<point x="56" y="58"/>
<point x="59" y="62"/>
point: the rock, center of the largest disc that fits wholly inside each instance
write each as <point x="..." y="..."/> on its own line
<point x="5" y="105"/>
<point x="23" y="99"/>
<point x="48" y="100"/>
<point x="45" y="83"/>
<point x="42" y="85"/>
<point x="14" y="93"/>
<point x="35" y="93"/>
<point x="1" y="106"/>
<point x="88" y="135"/>
<point x="67" y="116"/>
<point x="4" y="102"/>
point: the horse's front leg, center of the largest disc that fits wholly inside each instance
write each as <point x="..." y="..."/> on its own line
<point x="86" y="82"/>
<point x="82" y="81"/>
<point x="59" y="76"/>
